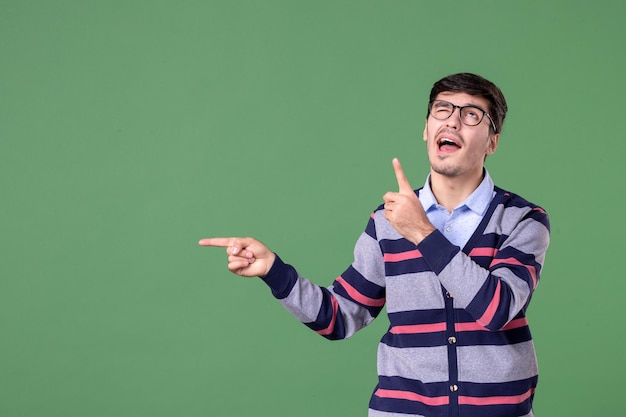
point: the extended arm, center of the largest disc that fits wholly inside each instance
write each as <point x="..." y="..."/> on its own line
<point x="335" y="312"/>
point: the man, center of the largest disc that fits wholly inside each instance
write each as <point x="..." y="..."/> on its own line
<point x="455" y="262"/>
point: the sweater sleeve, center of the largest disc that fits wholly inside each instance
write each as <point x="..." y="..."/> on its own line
<point x="497" y="291"/>
<point x="338" y="311"/>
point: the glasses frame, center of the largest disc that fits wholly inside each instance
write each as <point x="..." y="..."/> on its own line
<point x="454" y="107"/>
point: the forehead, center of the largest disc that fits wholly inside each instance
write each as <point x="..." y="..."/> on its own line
<point x="463" y="99"/>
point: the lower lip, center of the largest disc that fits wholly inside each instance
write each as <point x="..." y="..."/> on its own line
<point x="447" y="149"/>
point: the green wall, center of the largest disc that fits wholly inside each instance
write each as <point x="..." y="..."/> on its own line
<point x="131" y="129"/>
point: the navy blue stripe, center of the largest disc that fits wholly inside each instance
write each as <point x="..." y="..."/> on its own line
<point x="414" y="340"/>
<point x="498" y="389"/>
<point x="487" y="338"/>
<point x="470" y="338"/>
<point x="453" y="370"/>
<point x="370" y="229"/>
<point x="396" y="245"/>
<point x="404" y="318"/>
<point x="539" y="216"/>
<point x="281" y="279"/>
<point x="325" y="317"/>
<point x="363" y="286"/>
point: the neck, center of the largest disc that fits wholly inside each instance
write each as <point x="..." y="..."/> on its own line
<point x="452" y="191"/>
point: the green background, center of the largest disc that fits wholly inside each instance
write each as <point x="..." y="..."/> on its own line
<point x="131" y="129"/>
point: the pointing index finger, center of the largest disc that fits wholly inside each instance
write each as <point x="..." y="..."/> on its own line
<point x="403" y="182"/>
<point x="221" y="242"/>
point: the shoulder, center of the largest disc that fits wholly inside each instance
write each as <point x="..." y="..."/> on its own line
<point x="512" y="204"/>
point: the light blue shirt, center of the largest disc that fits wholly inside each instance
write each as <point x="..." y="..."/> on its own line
<point x="459" y="225"/>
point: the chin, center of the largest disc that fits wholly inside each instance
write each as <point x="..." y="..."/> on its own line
<point x="446" y="171"/>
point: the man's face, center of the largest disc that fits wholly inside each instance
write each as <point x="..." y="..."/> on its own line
<point x="455" y="149"/>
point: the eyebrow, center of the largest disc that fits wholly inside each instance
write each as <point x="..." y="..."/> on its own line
<point x="476" y="106"/>
<point x="444" y="95"/>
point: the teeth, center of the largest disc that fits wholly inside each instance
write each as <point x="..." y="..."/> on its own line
<point x="445" y="141"/>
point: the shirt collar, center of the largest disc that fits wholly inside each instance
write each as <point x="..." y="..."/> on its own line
<point x="478" y="201"/>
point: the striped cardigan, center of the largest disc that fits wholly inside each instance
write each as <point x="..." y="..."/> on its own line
<point x="458" y="343"/>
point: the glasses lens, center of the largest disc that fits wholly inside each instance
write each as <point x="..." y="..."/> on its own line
<point x="441" y="110"/>
<point x="471" y="116"/>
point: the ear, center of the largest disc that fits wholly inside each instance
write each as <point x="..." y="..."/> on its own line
<point x="425" y="128"/>
<point x="493" y="143"/>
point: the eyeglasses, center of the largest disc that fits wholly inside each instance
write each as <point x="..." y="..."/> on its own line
<point x="469" y="115"/>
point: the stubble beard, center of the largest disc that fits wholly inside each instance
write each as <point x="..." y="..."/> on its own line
<point x="446" y="170"/>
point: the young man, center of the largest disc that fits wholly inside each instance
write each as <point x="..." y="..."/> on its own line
<point x="455" y="262"/>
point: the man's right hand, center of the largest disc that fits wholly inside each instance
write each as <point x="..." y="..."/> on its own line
<point x="246" y="256"/>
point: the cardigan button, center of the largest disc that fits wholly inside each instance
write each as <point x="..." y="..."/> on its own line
<point x="454" y="387"/>
<point x="452" y="340"/>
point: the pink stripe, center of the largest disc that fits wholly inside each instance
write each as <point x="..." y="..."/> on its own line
<point x="483" y="252"/>
<point x="469" y="327"/>
<point x="513" y="261"/>
<point x="331" y="326"/>
<point x="540" y="210"/>
<point x="411" y="396"/>
<point x="403" y="256"/>
<point x="516" y="324"/>
<point x="418" y="328"/>
<point x="505" y="399"/>
<point x="357" y="296"/>
<point x="491" y="309"/>
<point x="474" y="327"/>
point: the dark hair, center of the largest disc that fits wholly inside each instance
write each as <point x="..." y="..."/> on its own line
<point x="474" y="85"/>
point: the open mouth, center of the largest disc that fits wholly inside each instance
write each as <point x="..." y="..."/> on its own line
<point x="448" y="145"/>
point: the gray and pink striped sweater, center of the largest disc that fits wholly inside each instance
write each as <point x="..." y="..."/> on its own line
<point x="458" y="344"/>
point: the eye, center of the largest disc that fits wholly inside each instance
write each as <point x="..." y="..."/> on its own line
<point x="441" y="107"/>
<point x="472" y="113"/>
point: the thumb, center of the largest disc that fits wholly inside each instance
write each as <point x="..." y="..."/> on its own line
<point x="403" y="184"/>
